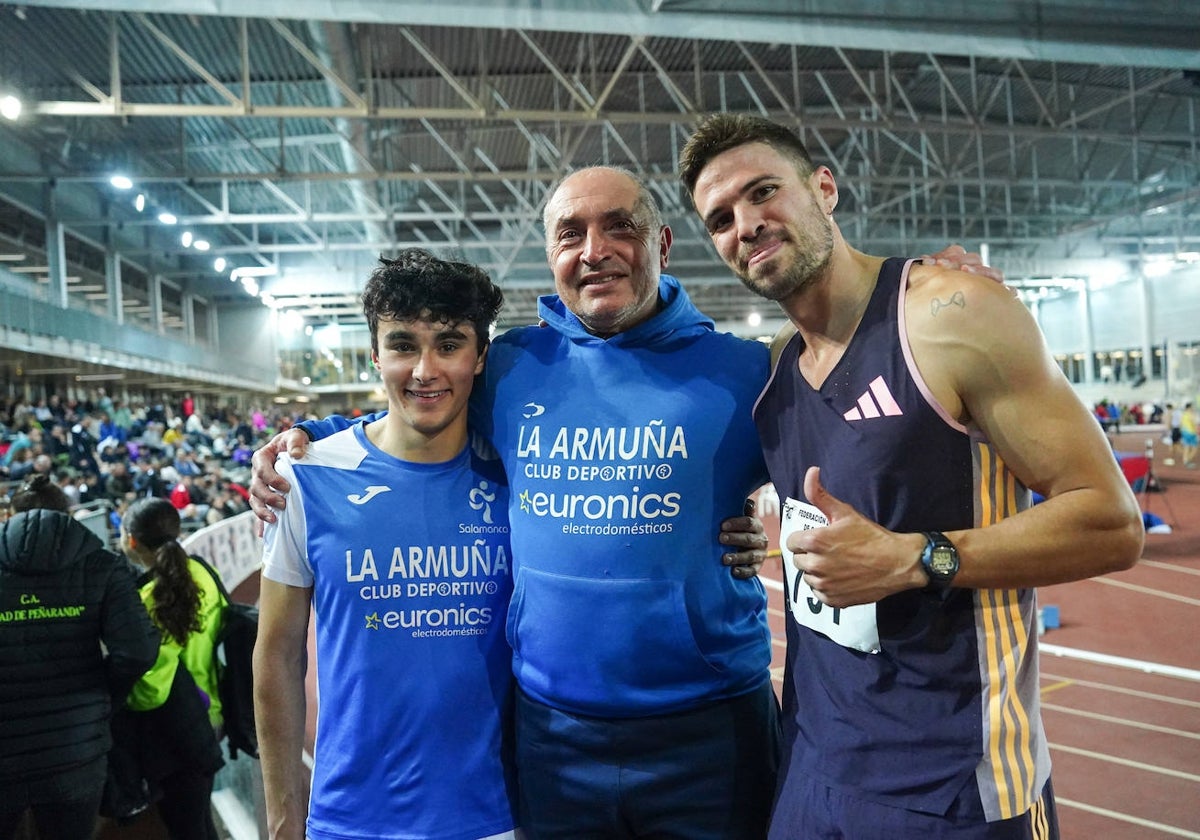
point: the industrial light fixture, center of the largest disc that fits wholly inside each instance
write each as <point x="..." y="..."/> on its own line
<point x="254" y="271"/>
<point x="121" y="182"/>
<point x="10" y="107"/>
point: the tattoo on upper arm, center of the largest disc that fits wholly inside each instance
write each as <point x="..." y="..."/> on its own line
<point x="957" y="299"/>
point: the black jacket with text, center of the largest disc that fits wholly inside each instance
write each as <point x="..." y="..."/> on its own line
<point x="74" y="637"/>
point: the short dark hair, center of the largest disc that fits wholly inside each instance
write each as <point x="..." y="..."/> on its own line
<point x="39" y="492"/>
<point x="417" y="285"/>
<point x="719" y="133"/>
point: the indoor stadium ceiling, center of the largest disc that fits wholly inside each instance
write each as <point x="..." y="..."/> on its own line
<point x="302" y="139"/>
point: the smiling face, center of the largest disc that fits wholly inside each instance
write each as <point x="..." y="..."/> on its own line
<point x="606" y="250"/>
<point x="428" y="369"/>
<point x="769" y="223"/>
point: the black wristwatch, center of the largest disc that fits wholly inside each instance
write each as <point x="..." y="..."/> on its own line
<point x="939" y="560"/>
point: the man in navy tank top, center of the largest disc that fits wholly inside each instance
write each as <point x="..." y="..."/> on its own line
<point x="909" y="413"/>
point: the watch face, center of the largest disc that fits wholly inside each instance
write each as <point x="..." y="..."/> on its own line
<point x="942" y="561"/>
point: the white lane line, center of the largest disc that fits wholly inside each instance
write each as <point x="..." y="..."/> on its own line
<point x="1121" y="661"/>
<point x="1134" y="724"/>
<point x="1146" y="590"/>
<point x="1132" y="692"/>
<point x="1174" y="567"/>
<point x="1129" y="818"/>
<point x="1126" y="762"/>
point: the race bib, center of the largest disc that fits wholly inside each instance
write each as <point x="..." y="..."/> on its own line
<point x="852" y="627"/>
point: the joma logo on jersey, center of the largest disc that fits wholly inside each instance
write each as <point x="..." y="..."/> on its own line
<point x="368" y="494"/>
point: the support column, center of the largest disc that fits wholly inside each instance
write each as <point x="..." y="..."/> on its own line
<point x="1147" y="301"/>
<point x="56" y="250"/>
<point x="1089" y="338"/>
<point x="188" y="304"/>
<point x="155" y="301"/>
<point x="112" y="285"/>
<point x="212" y="327"/>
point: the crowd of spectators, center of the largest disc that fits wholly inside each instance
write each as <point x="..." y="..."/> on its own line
<point x="1113" y="415"/>
<point x="105" y="452"/>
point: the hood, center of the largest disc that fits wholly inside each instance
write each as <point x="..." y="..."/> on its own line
<point x="43" y="541"/>
<point x="676" y="317"/>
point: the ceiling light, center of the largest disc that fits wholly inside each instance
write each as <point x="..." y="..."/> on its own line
<point x="219" y="265"/>
<point x="186" y="238"/>
<point x="121" y="182"/>
<point x="254" y="271"/>
<point x="168" y="218"/>
<point x="10" y="107"/>
<point x="754" y="319"/>
<point x="139" y="203"/>
<point x="201" y="245"/>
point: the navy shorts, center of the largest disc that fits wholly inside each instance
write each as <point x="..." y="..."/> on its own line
<point x="810" y="810"/>
<point x="702" y="774"/>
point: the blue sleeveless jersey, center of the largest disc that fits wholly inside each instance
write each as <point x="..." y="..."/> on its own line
<point x="951" y="698"/>
<point x="411" y="575"/>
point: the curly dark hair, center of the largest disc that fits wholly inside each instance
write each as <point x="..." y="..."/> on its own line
<point x="418" y="285"/>
<point x="719" y="133"/>
<point x="40" y="492"/>
<point x="154" y="522"/>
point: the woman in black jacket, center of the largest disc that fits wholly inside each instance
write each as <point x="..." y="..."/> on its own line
<point x="62" y="595"/>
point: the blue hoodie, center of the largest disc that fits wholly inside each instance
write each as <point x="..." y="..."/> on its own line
<point x="623" y="456"/>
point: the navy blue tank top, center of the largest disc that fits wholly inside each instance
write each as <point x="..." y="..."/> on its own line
<point x="936" y="707"/>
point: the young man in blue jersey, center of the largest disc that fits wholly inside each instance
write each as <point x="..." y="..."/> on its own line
<point x="910" y="412"/>
<point x="396" y="534"/>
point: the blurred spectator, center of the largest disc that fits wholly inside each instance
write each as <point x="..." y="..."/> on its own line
<point x="27" y="437"/>
<point x="118" y="487"/>
<point x="185" y="461"/>
<point x="122" y="418"/>
<point x="110" y="433"/>
<point x="83" y="446"/>
<point x="22" y="465"/>
<point x="173" y="436"/>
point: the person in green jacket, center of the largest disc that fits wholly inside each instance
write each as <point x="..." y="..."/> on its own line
<point x="179" y="754"/>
